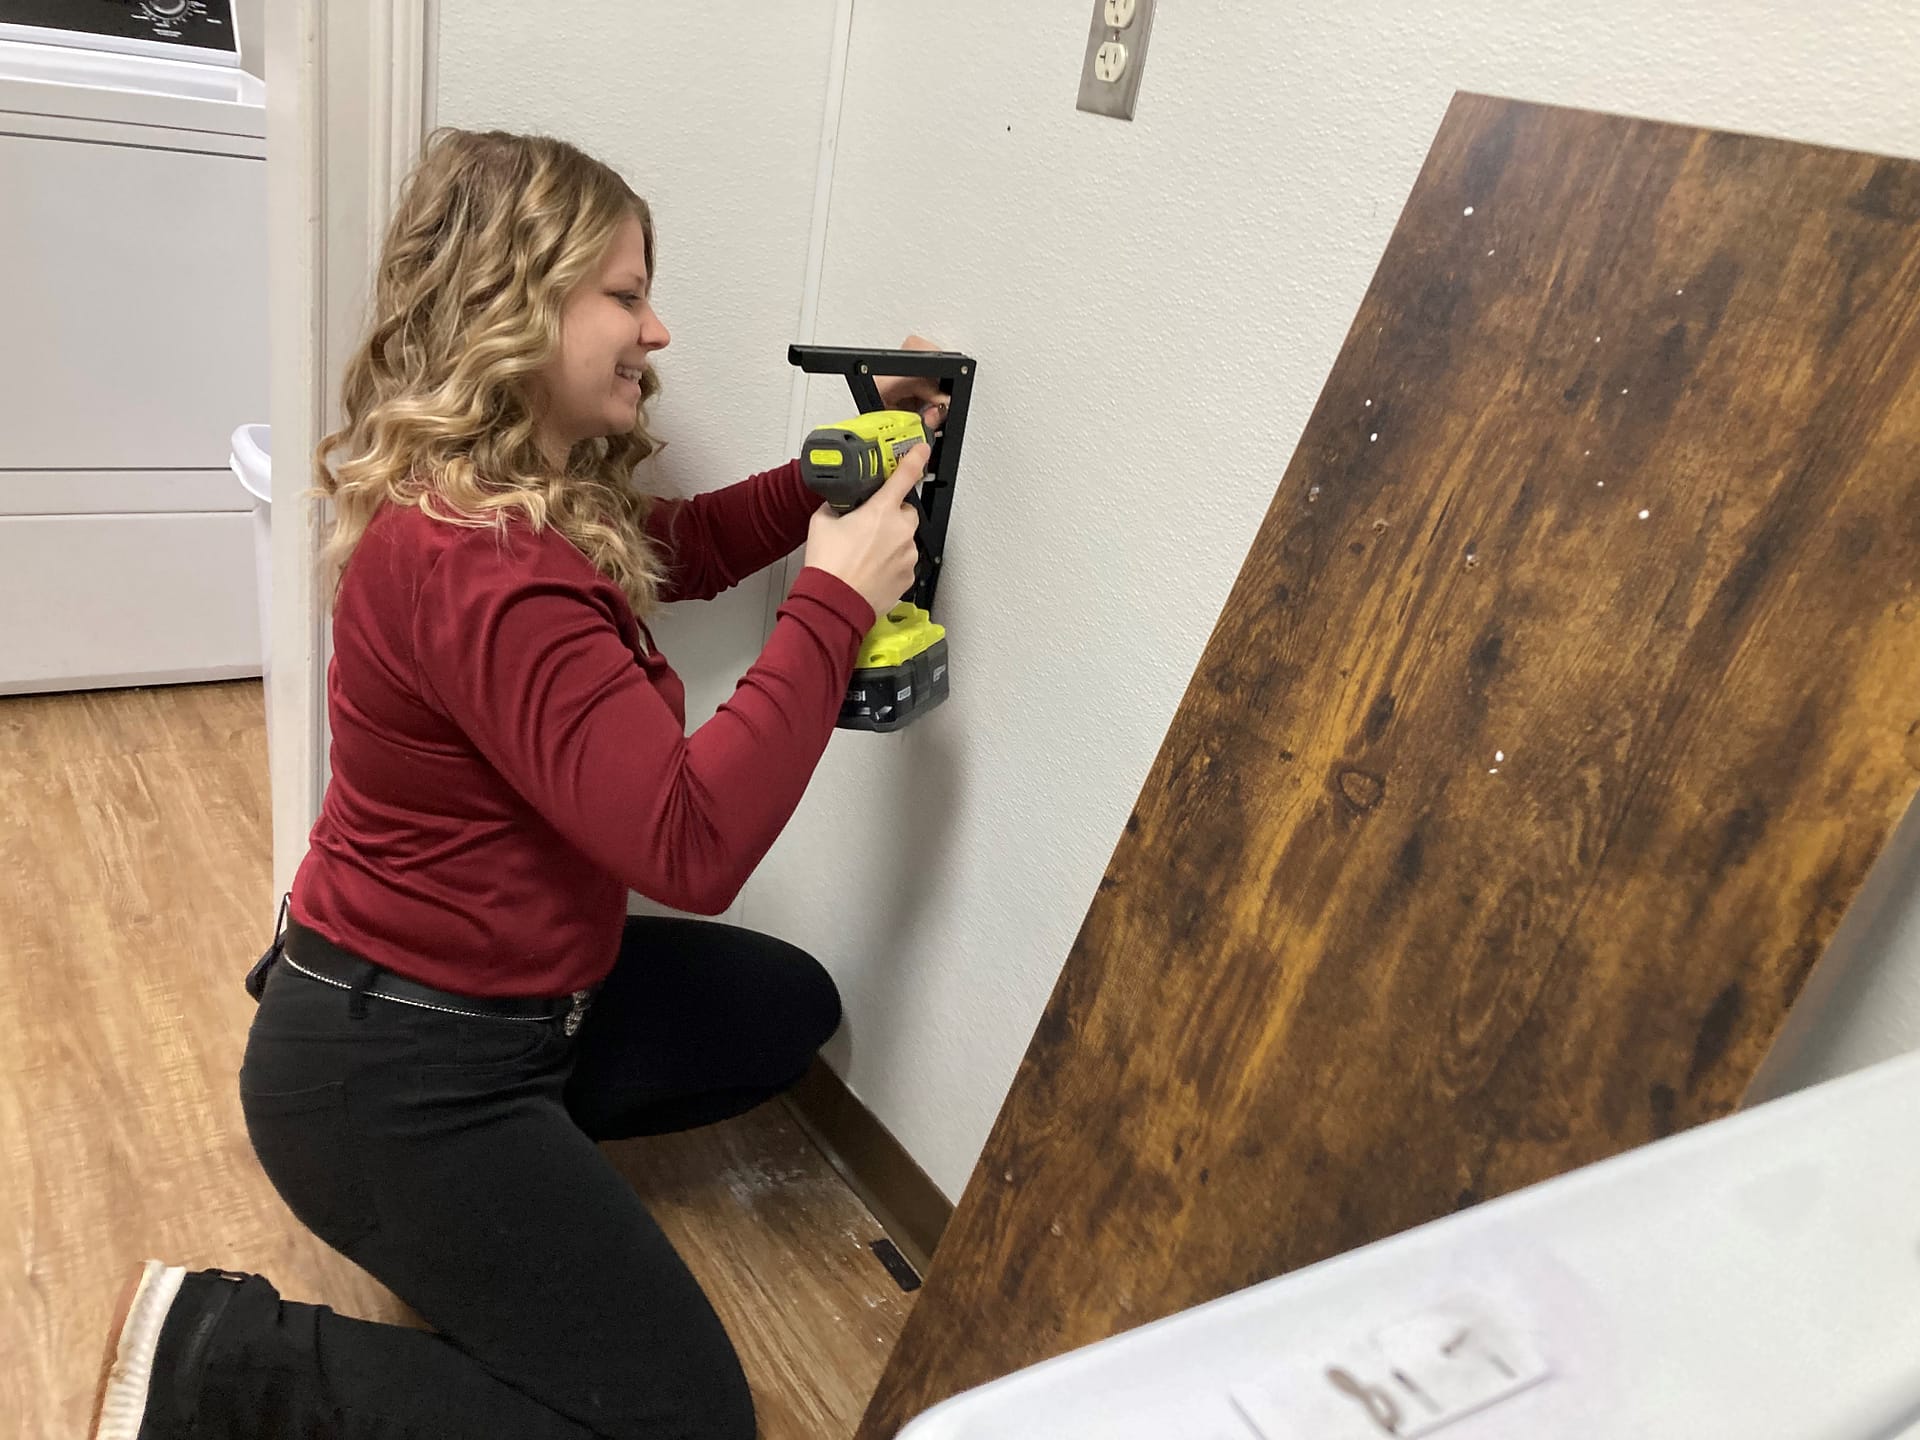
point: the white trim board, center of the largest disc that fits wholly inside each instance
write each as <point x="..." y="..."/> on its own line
<point x="348" y="93"/>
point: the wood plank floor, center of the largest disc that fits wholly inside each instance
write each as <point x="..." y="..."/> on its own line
<point x="133" y="894"/>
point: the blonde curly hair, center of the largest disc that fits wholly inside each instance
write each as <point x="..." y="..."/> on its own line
<point x="491" y="234"/>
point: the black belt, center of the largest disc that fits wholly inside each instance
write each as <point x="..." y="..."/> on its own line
<point x="318" y="958"/>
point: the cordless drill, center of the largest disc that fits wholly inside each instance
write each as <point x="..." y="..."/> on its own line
<point x="902" y="667"/>
<point x="901" y="672"/>
<point x="845" y="463"/>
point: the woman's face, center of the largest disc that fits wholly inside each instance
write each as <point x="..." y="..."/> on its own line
<point x="608" y="330"/>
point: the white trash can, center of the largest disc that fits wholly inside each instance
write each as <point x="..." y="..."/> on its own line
<point x="252" y="465"/>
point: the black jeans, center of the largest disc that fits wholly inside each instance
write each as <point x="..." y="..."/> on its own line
<point x="455" y="1160"/>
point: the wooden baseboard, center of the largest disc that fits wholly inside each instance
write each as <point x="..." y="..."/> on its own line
<point x="902" y="1198"/>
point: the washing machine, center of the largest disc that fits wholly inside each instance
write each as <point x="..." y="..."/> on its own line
<point x="133" y="340"/>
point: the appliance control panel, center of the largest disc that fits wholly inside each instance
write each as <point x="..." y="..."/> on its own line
<point x="199" y="30"/>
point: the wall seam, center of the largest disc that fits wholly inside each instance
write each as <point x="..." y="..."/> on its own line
<point x="780" y="577"/>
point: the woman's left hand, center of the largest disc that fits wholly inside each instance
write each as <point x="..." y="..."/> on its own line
<point x="914" y="392"/>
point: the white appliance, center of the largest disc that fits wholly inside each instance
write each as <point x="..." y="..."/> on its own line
<point x="1757" y="1278"/>
<point x="133" y="339"/>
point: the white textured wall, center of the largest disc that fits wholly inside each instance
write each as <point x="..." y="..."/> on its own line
<point x="251" y="18"/>
<point x="1154" y="306"/>
<point x="713" y="113"/>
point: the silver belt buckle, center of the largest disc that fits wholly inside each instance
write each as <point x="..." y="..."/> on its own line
<point x="578" y="1012"/>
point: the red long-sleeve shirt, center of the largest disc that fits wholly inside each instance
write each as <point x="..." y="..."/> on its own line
<point x="510" y="753"/>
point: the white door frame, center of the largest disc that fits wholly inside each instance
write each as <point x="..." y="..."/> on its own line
<point x="349" y="98"/>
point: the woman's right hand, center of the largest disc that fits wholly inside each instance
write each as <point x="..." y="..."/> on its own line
<point x="871" y="547"/>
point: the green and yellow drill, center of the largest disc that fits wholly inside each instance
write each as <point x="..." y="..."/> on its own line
<point x="902" y="670"/>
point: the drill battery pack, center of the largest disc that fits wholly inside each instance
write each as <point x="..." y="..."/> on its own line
<point x="901" y="672"/>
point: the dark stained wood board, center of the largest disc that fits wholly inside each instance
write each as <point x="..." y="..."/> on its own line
<point x="1568" y="690"/>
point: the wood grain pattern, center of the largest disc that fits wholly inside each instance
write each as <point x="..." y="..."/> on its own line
<point x="1565" y="696"/>
<point x="134" y="885"/>
<point x="782" y="1246"/>
<point x="133" y="889"/>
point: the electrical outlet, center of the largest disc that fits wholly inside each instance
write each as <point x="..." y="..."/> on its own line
<point x="1116" y="50"/>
